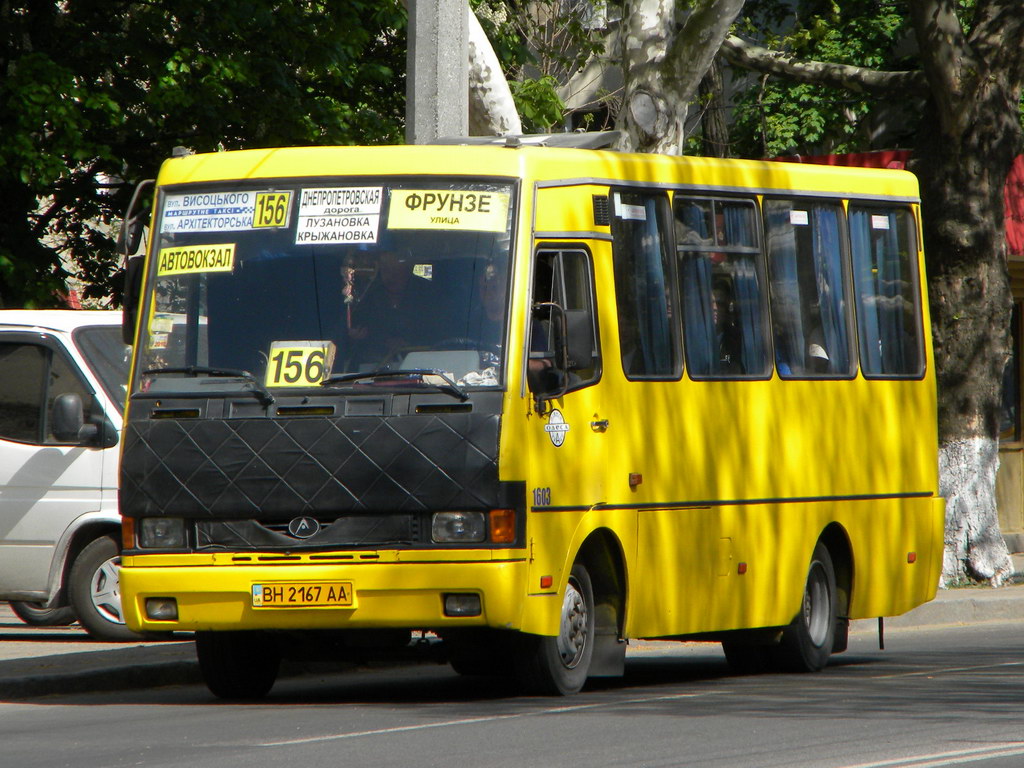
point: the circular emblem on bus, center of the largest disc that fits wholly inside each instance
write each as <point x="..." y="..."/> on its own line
<point x="556" y="428"/>
<point x="303" y="527"/>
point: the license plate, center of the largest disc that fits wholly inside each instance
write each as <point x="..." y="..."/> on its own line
<point x="302" y="594"/>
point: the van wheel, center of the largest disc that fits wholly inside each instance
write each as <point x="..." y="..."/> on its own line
<point x="807" y="642"/>
<point x="238" y="665"/>
<point x="35" y="615"/>
<point x="94" y="589"/>
<point x="559" y="666"/>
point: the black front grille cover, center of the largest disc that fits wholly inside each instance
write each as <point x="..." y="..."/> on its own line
<point x="277" y="468"/>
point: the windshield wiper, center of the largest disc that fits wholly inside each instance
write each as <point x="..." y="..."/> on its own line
<point x="261" y="392"/>
<point x="445" y="384"/>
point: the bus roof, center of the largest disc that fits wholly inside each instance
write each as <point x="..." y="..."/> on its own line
<point x="547" y="166"/>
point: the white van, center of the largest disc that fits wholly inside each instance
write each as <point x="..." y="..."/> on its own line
<point x="63" y="375"/>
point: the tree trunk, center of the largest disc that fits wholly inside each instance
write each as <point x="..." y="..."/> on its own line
<point x="714" y="125"/>
<point x="962" y="179"/>
<point x="492" y="112"/>
<point x="663" y="64"/>
<point x="652" y="121"/>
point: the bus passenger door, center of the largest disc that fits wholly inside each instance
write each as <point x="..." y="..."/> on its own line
<point x="567" y="440"/>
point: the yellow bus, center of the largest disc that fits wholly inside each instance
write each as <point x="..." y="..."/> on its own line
<point x="522" y="403"/>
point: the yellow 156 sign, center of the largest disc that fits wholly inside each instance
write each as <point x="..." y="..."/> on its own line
<point x="271" y="209"/>
<point x="299" y="363"/>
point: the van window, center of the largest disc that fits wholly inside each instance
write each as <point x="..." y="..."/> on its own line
<point x="33" y="379"/>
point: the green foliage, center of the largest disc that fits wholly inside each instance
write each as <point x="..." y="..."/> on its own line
<point x="775" y="117"/>
<point x="95" y="93"/>
<point x="538" y="104"/>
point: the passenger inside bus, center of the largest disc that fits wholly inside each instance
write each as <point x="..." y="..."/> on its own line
<point x="726" y="332"/>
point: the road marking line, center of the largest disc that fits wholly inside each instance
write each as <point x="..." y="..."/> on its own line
<point x="937" y="759"/>
<point x="925" y="673"/>
<point x="487" y="719"/>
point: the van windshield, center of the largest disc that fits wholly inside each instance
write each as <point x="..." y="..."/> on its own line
<point x="107" y="356"/>
<point x="300" y="282"/>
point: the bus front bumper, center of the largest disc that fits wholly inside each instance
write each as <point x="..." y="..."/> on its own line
<point x="207" y="595"/>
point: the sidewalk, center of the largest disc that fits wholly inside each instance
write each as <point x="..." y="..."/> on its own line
<point x="39" y="661"/>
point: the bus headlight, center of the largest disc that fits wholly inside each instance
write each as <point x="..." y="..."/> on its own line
<point x="161" y="533"/>
<point x="458" y="527"/>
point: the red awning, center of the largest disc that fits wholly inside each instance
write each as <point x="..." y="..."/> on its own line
<point x="1013" y="193"/>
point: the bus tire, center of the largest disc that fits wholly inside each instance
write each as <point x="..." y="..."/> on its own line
<point x="238" y="665"/>
<point x="559" y="666"/>
<point x="35" y="615"/>
<point x="807" y="642"/>
<point x="95" y="593"/>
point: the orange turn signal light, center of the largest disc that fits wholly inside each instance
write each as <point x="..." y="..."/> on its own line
<point x="128" y="532"/>
<point x="503" y="526"/>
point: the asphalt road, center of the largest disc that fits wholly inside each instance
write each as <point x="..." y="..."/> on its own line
<point x="937" y="696"/>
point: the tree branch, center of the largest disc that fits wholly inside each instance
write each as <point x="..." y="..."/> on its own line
<point x="747" y="55"/>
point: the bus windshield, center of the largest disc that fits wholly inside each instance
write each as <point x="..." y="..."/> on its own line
<point x="298" y="284"/>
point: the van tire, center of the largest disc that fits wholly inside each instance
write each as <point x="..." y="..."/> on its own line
<point x="35" y="615"/>
<point x="95" y="593"/>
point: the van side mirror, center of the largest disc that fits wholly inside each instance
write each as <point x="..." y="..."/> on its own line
<point x="67" y="421"/>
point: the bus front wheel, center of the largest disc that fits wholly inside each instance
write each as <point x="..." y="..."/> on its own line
<point x="807" y="642"/>
<point x="559" y="665"/>
<point x="238" y="665"/>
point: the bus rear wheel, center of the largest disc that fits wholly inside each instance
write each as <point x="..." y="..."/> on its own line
<point x="559" y="666"/>
<point x="807" y="642"/>
<point x="238" y="665"/>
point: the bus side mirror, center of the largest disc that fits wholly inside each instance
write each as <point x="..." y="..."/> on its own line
<point x="128" y="241"/>
<point x="548" y="364"/>
<point x="133" y="225"/>
<point x="131" y="297"/>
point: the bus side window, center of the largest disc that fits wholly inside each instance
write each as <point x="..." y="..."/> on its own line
<point x="809" y="307"/>
<point x="721" y="282"/>
<point x="885" y="279"/>
<point x="648" y="319"/>
<point x="563" y="278"/>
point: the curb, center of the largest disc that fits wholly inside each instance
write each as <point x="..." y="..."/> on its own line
<point x="41" y="672"/>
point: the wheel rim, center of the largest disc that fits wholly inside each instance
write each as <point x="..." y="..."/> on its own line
<point x="105" y="591"/>
<point x="817" y="605"/>
<point x="572" y="638"/>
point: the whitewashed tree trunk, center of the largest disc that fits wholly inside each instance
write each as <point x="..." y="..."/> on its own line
<point x="975" y="551"/>
<point x="653" y="116"/>
<point x="492" y="112"/>
<point x="663" y="62"/>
